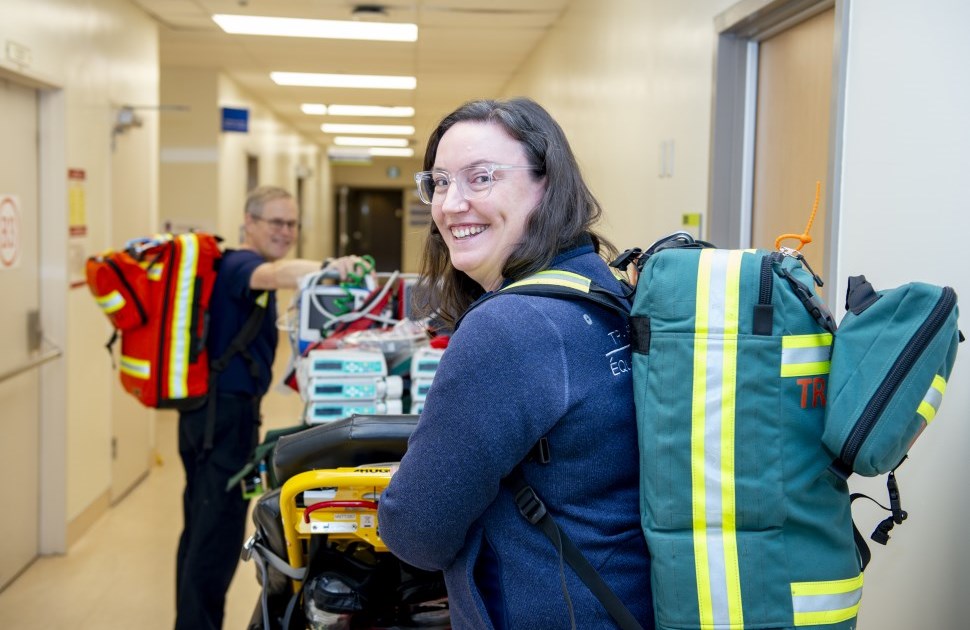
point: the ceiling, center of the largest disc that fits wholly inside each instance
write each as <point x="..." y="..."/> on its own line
<point x="466" y="49"/>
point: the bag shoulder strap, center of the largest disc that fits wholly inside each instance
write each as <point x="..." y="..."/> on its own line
<point x="534" y="511"/>
<point x="561" y="284"/>
<point x="239" y="344"/>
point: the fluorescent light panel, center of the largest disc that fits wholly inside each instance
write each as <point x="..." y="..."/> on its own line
<point x="313" y="79"/>
<point x="391" y="152"/>
<point x="319" y="109"/>
<point x="326" y="29"/>
<point x="313" y="109"/>
<point x="363" y="141"/>
<point x="370" y="110"/>
<point x="393" y="130"/>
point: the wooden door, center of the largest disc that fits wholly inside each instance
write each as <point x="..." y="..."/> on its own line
<point x="792" y="134"/>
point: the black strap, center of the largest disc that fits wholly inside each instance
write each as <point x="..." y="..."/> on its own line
<point x="596" y="294"/>
<point x="534" y="511"/>
<point x="238" y="345"/>
<point x="881" y="533"/>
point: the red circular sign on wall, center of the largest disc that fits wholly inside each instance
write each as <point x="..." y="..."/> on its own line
<point x="9" y="231"/>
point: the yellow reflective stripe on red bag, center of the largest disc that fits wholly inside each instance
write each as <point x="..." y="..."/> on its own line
<point x="138" y="368"/>
<point x="111" y="303"/>
<point x="931" y="401"/>
<point x="827" y="602"/>
<point x="180" y="326"/>
<point x="806" y="355"/>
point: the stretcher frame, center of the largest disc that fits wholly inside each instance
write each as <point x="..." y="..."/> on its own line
<point x="351" y="514"/>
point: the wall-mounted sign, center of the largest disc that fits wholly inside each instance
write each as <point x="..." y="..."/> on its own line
<point x="235" y="119"/>
<point x="9" y="231"/>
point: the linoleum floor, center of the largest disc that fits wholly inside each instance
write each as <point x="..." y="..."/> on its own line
<point x="120" y="574"/>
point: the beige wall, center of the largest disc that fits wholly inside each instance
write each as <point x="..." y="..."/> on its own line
<point x="622" y="76"/>
<point x="96" y="56"/>
<point x="204" y="170"/>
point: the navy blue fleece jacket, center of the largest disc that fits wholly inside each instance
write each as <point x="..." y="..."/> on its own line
<point x="520" y="368"/>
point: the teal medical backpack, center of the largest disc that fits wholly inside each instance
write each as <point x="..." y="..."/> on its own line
<point x="744" y="499"/>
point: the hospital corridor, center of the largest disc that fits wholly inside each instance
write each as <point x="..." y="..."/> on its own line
<point x="313" y="135"/>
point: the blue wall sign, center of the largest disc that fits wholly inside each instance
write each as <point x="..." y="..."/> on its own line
<point x="235" y="119"/>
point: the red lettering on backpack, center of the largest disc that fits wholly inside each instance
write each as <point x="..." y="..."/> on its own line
<point x="817" y="387"/>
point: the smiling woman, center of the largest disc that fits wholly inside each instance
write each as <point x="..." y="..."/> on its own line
<point x="507" y="200"/>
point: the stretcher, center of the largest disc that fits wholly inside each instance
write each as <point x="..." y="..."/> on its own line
<point x="322" y="563"/>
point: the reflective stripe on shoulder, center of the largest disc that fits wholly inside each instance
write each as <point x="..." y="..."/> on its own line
<point x="827" y="602"/>
<point x="712" y="439"/>
<point x="112" y="302"/>
<point x="139" y="368"/>
<point x="931" y="401"/>
<point x="555" y="277"/>
<point x="806" y="355"/>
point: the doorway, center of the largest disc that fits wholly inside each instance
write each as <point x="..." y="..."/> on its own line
<point x="778" y="111"/>
<point x="20" y="421"/>
<point x="370" y="221"/>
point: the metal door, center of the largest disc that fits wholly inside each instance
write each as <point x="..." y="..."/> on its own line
<point x="19" y="312"/>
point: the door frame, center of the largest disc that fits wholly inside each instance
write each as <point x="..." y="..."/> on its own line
<point x="52" y="189"/>
<point x="739" y="29"/>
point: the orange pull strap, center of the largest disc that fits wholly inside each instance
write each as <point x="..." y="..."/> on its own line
<point x="804" y="238"/>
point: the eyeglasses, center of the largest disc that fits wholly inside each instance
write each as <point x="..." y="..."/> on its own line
<point x="278" y="224"/>
<point x="474" y="182"/>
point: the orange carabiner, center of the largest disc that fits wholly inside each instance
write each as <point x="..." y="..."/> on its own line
<point x="804" y="238"/>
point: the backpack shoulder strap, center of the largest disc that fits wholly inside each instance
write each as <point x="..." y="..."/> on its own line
<point x="239" y="344"/>
<point x="534" y="511"/>
<point x="561" y="284"/>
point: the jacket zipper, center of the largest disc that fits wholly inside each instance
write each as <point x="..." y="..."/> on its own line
<point x="124" y="281"/>
<point x="897" y="374"/>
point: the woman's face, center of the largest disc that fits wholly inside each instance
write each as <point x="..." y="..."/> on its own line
<point x="481" y="233"/>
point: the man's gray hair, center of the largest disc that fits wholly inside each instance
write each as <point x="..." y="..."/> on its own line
<point x="261" y="195"/>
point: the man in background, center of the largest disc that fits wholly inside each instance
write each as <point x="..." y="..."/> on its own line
<point x="217" y="440"/>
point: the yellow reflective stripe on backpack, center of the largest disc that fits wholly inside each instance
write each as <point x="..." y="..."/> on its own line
<point x="138" y="368"/>
<point x="555" y="277"/>
<point x="931" y="401"/>
<point x="818" y="603"/>
<point x="111" y="303"/>
<point x="806" y="355"/>
<point x="181" y="326"/>
<point x="713" y="462"/>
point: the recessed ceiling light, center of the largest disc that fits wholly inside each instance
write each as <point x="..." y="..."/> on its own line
<point x="314" y="109"/>
<point x="364" y="141"/>
<point x="327" y="29"/>
<point x="370" y="110"/>
<point x="313" y="79"/>
<point x="394" y="130"/>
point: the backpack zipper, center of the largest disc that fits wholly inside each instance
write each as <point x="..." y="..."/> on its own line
<point x="131" y="291"/>
<point x="897" y="374"/>
<point x="765" y="288"/>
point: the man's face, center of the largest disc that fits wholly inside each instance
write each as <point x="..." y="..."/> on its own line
<point x="273" y="232"/>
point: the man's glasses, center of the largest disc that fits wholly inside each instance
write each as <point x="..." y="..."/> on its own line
<point x="278" y="224"/>
<point x="474" y="182"/>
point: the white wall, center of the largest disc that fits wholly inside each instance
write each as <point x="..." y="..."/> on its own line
<point x="99" y="54"/>
<point x="622" y="76"/>
<point x="903" y="211"/>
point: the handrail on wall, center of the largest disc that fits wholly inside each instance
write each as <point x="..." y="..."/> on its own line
<point x="33" y="363"/>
